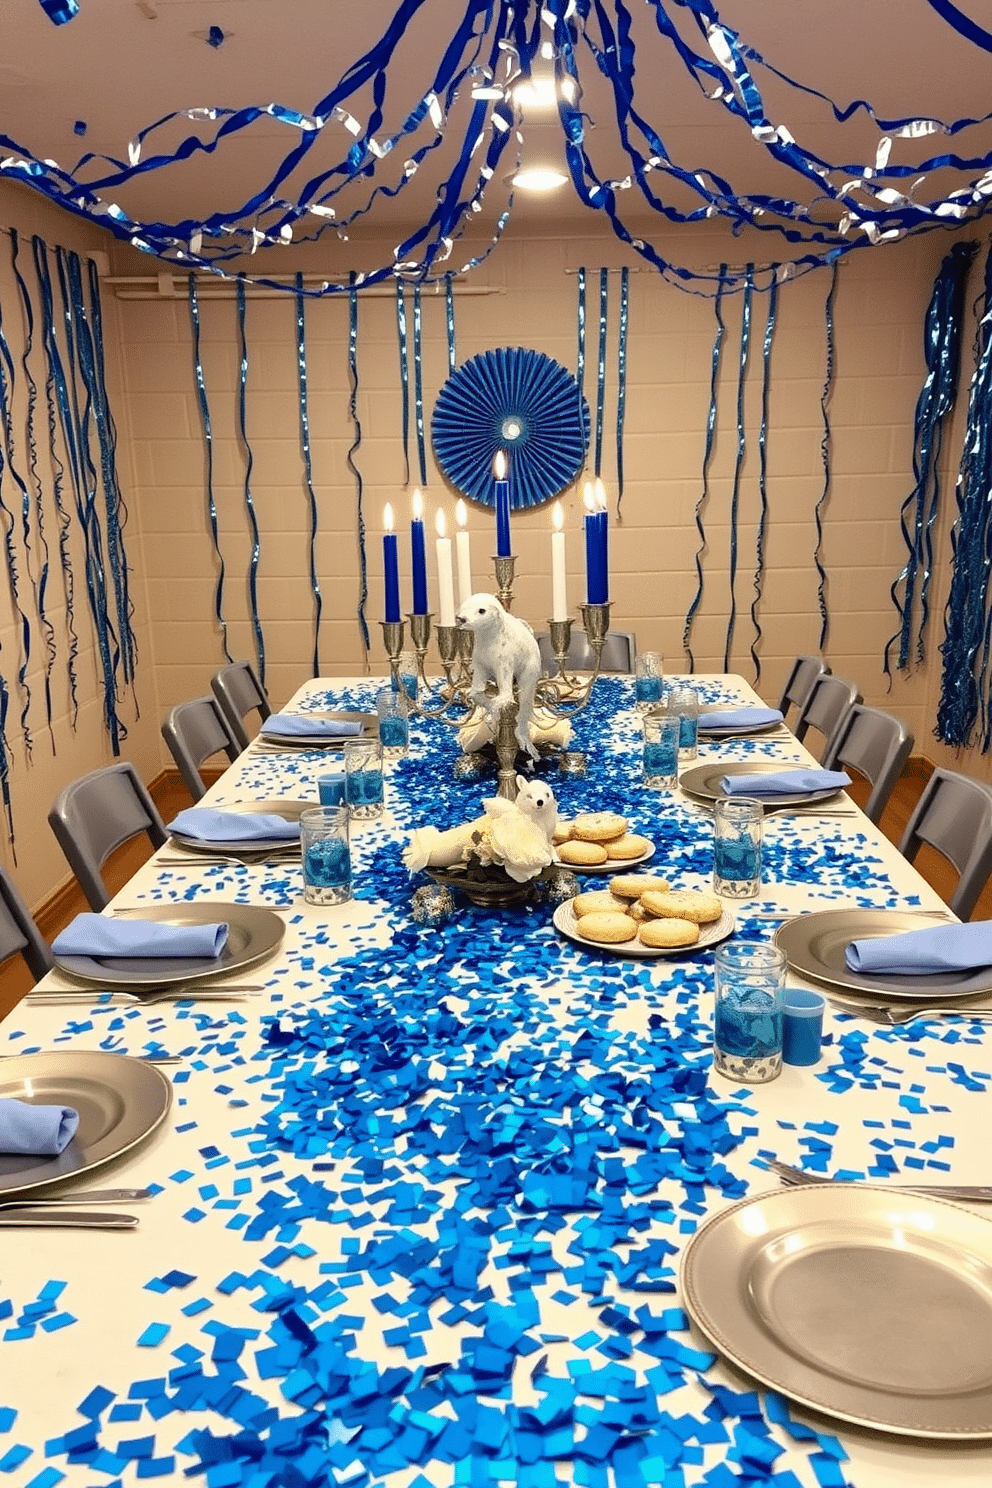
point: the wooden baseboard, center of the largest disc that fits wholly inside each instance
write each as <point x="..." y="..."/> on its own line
<point x="919" y="767"/>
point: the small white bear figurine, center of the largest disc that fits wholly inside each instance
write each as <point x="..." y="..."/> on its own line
<point x="537" y="800"/>
<point x="506" y="653"/>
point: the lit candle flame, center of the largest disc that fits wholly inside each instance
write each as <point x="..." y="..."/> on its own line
<point x="499" y="466"/>
<point x="557" y="516"/>
<point x="418" y="505"/>
<point x="600" y="495"/>
<point x="461" y="513"/>
<point x="588" y="498"/>
<point x="387" y="517"/>
<point x="440" y="523"/>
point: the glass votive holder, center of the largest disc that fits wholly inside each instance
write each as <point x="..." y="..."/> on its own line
<point x="331" y="789"/>
<point x="683" y="699"/>
<point x="407" y="672"/>
<point x="326" y="854"/>
<point x="393" y="709"/>
<point x="747" y="1015"/>
<point x="573" y="762"/>
<point x="363" y="778"/>
<point x="737" y="832"/>
<point x="661" y="749"/>
<point x="802" y="1025"/>
<point x="649" y="679"/>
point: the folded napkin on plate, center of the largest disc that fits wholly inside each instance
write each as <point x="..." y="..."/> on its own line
<point x="544" y="728"/>
<point x="42" y="1131"/>
<point x="924" y="952"/>
<point x="308" y="726"/>
<point x="208" y="824"/>
<point x="98" y="935"/>
<point x="784" y="782"/>
<point x="731" y="718"/>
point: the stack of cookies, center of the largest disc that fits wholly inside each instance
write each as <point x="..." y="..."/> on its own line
<point x="637" y="907"/>
<point x="596" y="838"/>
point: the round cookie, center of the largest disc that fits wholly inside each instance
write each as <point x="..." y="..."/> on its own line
<point x="609" y="929"/>
<point x="562" y="833"/>
<point x="683" y="904"/>
<point x="633" y="885"/>
<point x="582" y="854"/>
<point x="668" y="933"/>
<point x="597" y="901"/>
<point x="598" y="826"/>
<point x="637" y="911"/>
<point x="627" y="846"/>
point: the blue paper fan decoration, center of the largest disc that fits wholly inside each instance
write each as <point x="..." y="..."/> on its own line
<point x="519" y="401"/>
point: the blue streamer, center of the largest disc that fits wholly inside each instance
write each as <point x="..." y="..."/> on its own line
<point x="249" y="502"/>
<point x="745" y="352"/>
<point x="13" y="577"/>
<point x="604" y="285"/>
<point x="404" y="378"/>
<point x="59" y="11"/>
<point x="941" y="348"/>
<point x="449" y="316"/>
<point x="759" y="560"/>
<point x="301" y="364"/>
<point x="703" y="498"/>
<point x="622" y="376"/>
<point x="968" y="28"/>
<point x="418" y="385"/>
<point x="964" y="694"/>
<point x="208" y="439"/>
<point x="56" y="403"/>
<point x="828" y="382"/>
<point x="580" y="355"/>
<point x="363" y="579"/>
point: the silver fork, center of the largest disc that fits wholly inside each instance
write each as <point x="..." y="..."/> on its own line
<point x="66" y="997"/>
<point x="893" y="1014"/>
<point x="974" y="1193"/>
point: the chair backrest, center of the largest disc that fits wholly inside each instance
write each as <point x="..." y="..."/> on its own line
<point x="195" y="731"/>
<point x="95" y="814"/>
<point x="829" y="701"/>
<point x="239" y="692"/>
<point x="18" y="931"/>
<point x="875" y="744"/>
<point x="799" y="683"/>
<point x="954" y="815"/>
<point x="619" y="652"/>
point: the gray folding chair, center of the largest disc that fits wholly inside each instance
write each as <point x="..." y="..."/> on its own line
<point x="829" y="701"/>
<point x="239" y="692"/>
<point x="799" y="683"/>
<point x="195" y="732"/>
<point x="619" y="652"/>
<point x="97" y="813"/>
<point x="954" y="816"/>
<point x="875" y="744"/>
<point x="18" y="931"/>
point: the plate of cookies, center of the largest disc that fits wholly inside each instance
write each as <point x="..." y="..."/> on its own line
<point x="601" y="842"/>
<point x="641" y="915"/>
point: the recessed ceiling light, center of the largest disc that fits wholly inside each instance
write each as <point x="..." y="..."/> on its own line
<point x="538" y="178"/>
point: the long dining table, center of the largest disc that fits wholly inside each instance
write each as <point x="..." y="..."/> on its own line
<point x="418" y="1204"/>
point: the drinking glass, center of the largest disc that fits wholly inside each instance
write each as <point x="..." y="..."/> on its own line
<point x="363" y="777"/>
<point x="326" y="854"/>
<point x="407" y="671"/>
<point x="661" y="749"/>
<point x="802" y="1025"/>
<point x="649" y="679"/>
<point x="331" y="789"/>
<point x="393" y="709"/>
<point x="683" y="699"/>
<point x="737" y="831"/>
<point x="747" y="1016"/>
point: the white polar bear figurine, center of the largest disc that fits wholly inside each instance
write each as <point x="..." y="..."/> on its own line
<point x="505" y="652"/>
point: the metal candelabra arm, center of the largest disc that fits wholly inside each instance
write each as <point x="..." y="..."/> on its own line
<point x="569" y="692"/>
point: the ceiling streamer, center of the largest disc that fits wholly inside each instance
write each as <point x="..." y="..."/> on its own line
<point x="345" y="155"/>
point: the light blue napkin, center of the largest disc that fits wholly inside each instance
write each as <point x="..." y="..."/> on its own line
<point x="208" y="824"/>
<point x="42" y="1131"/>
<point x="98" y="935"/>
<point x="784" y="782"/>
<point x="924" y="952"/>
<point x="731" y="718"/>
<point x="308" y="726"/>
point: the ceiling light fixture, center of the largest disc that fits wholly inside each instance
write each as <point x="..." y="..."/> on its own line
<point x="537" y="178"/>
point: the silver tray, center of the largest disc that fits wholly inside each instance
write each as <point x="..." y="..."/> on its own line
<point x="369" y="730"/>
<point x="735" y="731"/>
<point x="870" y="1306"/>
<point x="120" y="1102"/>
<point x="814" y="945"/>
<point x="564" y="921"/>
<point x="252" y="935"/>
<point x="612" y="865"/>
<point x="704" y="781"/>
<point x="290" y="810"/>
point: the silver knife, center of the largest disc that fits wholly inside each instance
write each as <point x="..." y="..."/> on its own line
<point x="81" y="1196"/>
<point x="63" y="1217"/>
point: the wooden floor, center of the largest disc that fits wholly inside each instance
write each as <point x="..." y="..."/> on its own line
<point x="171" y="796"/>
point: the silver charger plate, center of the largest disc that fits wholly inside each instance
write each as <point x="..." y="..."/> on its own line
<point x="612" y="865"/>
<point x="369" y="730"/>
<point x="565" y="922"/>
<point x="704" y="781"/>
<point x="253" y="934"/>
<point x="814" y="945"/>
<point x="857" y="1301"/>
<point x="733" y="731"/>
<point x="120" y="1102"/>
<point x="291" y="811"/>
